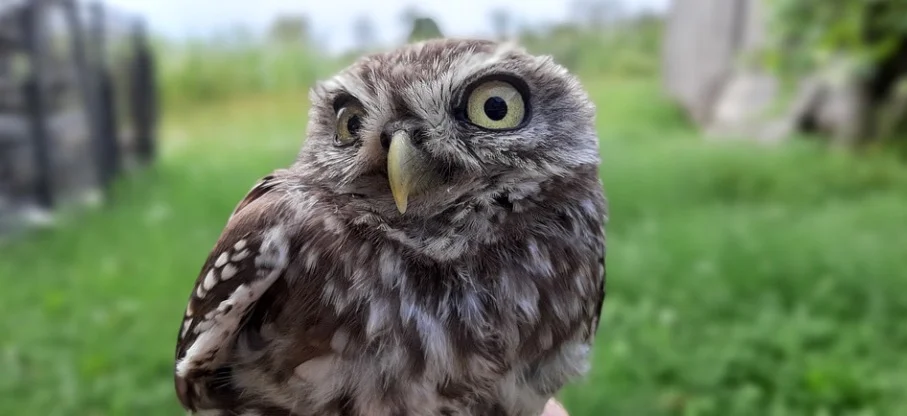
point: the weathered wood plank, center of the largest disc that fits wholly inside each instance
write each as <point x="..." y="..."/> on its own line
<point x="10" y="35"/>
<point x="13" y="128"/>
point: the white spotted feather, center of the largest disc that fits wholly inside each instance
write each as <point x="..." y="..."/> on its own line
<point x="242" y="266"/>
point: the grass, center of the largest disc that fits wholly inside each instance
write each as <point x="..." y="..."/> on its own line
<point x="205" y="71"/>
<point x="743" y="279"/>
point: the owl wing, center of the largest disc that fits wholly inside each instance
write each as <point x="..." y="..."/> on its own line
<point x="598" y="272"/>
<point x="601" y="274"/>
<point x="600" y="295"/>
<point x="250" y="255"/>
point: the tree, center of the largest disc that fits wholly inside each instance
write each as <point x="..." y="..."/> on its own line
<point x="424" y="28"/>
<point x="805" y="35"/>
<point x="364" y="32"/>
<point x="288" y="28"/>
<point x="596" y="14"/>
<point x="501" y="22"/>
<point x="421" y="26"/>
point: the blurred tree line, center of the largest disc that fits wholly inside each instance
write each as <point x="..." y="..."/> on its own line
<point x="598" y="45"/>
<point x="598" y="39"/>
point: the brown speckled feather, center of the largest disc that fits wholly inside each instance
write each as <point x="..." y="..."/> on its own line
<point x="241" y="263"/>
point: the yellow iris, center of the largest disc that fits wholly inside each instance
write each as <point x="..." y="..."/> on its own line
<point x="496" y="105"/>
<point x="349" y="120"/>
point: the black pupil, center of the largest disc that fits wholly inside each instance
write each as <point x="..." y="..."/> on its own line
<point x="496" y="108"/>
<point x="353" y="124"/>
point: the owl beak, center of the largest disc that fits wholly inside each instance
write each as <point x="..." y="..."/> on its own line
<point x="407" y="170"/>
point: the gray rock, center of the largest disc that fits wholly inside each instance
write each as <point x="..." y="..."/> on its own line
<point x="744" y="109"/>
<point x="840" y="111"/>
<point x="702" y="41"/>
<point x="709" y="70"/>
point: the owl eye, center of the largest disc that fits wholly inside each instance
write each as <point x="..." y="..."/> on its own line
<point x="349" y="122"/>
<point x="496" y="105"/>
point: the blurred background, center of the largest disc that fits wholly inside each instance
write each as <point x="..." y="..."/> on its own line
<point x="755" y="157"/>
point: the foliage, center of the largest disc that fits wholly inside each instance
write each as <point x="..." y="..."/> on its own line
<point x="806" y="34"/>
<point x="290" y="29"/>
<point x="203" y="71"/>
<point x="742" y="280"/>
<point x="501" y="22"/>
<point x="424" y="28"/>
<point x="364" y="31"/>
<point x="236" y="63"/>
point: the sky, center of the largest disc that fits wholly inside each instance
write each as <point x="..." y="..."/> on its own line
<point x="332" y="20"/>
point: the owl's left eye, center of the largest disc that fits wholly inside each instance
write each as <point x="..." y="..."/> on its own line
<point x="349" y="122"/>
<point x="496" y="105"/>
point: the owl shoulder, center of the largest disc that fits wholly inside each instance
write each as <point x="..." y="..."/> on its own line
<point x="252" y="252"/>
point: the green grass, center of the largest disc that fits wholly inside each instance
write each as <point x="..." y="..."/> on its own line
<point x="743" y="279"/>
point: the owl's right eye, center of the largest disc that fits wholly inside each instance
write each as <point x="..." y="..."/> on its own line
<point x="349" y="122"/>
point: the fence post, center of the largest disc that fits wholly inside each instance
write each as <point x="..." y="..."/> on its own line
<point x="108" y="141"/>
<point x="34" y="92"/>
<point x="87" y="77"/>
<point x="143" y="94"/>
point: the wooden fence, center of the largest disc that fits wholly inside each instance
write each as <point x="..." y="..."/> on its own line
<point x="77" y="103"/>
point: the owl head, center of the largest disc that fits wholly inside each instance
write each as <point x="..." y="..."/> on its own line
<point x="447" y="123"/>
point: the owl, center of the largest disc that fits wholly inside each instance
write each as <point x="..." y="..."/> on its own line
<point x="436" y="248"/>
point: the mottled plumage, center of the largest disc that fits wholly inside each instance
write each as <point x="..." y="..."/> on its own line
<point x="437" y="248"/>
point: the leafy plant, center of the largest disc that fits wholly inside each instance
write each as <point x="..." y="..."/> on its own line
<point x="806" y="34"/>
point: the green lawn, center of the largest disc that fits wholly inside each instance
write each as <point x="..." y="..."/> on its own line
<point x="743" y="279"/>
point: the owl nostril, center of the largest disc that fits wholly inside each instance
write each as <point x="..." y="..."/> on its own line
<point x="385" y="140"/>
